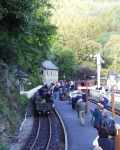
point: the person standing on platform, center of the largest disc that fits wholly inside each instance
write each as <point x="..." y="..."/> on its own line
<point x="85" y="99"/>
<point x="80" y="108"/>
<point x="107" y="132"/>
<point x="85" y="94"/>
<point x="105" y="127"/>
<point x="56" y="95"/>
<point x="97" y="114"/>
<point x="72" y="86"/>
<point x="104" y="101"/>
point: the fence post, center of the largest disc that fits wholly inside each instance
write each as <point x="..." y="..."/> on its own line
<point x="113" y="104"/>
<point x="117" y="140"/>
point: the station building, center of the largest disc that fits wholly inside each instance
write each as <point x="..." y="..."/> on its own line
<point x="49" y="72"/>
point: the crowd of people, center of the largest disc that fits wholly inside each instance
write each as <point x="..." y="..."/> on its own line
<point x="60" y="90"/>
<point x="53" y="92"/>
<point x="105" y="126"/>
<point x="101" y="120"/>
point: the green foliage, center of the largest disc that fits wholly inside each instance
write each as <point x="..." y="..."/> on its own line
<point x="112" y="52"/>
<point x="87" y="27"/>
<point x="9" y="113"/>
<point x="25" y="27"/>
<point x="23" y="100"/>
<point x="37" y="43"/>
<point x="86" y="49"/>
<point x="26" y="34"/>
<point x="3" y="147"/>
<point x="3" y="102"/>
<point x="2" y="107"/>
<point x="65" y="60"/>
<point x="104" y="37"/>
<point x="115" y="19"/>
<point x="15" y="16"/>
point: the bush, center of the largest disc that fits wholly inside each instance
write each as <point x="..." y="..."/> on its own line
<point x="3" y="147"/>
<point x="23" y="101"/>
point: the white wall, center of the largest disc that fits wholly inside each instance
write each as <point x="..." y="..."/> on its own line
<point x="50" y="76"/>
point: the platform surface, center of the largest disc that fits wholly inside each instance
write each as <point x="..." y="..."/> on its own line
<point x="79" y="137"/>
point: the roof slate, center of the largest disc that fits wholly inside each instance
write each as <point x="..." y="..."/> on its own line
<point x="49" y="65"/>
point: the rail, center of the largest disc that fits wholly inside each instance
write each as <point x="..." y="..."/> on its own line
<point x="37" y="138"/>
<point x="47" y="134"/>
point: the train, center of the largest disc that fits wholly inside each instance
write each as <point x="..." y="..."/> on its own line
<point x="43" y="103"/>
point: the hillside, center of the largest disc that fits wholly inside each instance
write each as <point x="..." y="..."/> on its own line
<point x="12" y="107"/>
<point x="67" y="10"/>
<point x="86" y="26"/>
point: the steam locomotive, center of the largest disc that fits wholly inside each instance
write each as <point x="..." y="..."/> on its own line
<point x="43" y="101"/>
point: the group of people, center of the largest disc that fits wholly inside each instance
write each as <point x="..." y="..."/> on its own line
<point x="105" y="127"/>
<point x="61" y="89"/>
<point x="55" y="91"/>
<point x="101" y="121"/>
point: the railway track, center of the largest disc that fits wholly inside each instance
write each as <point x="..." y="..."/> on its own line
<point x="57" y="141"/>
<point x="109" y="107"/>
<point x="47" y="134"/>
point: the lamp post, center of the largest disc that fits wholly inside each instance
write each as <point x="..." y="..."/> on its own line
<point x="98" y="60"/>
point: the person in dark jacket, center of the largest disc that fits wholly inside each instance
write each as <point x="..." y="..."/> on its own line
<point x="56" y="92"/>
<point x="107" y="133"/>
<point x="97" y="113"/>
<point x="104" y="101"/>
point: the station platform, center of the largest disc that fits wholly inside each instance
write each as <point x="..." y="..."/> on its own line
<point x="79" y="137"/>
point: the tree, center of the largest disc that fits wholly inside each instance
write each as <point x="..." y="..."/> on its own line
<point x="26" y="32"/>
<point x="86" y="49"/>
<point x="24" y="25"/>
<point x="84" y="72"/>
<point x="112" y="52"/>
<point x="115" y="19"/>
<point x="15" y="16"/>
<point x="66" y="61"/>
<point x="87" y="27"/>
